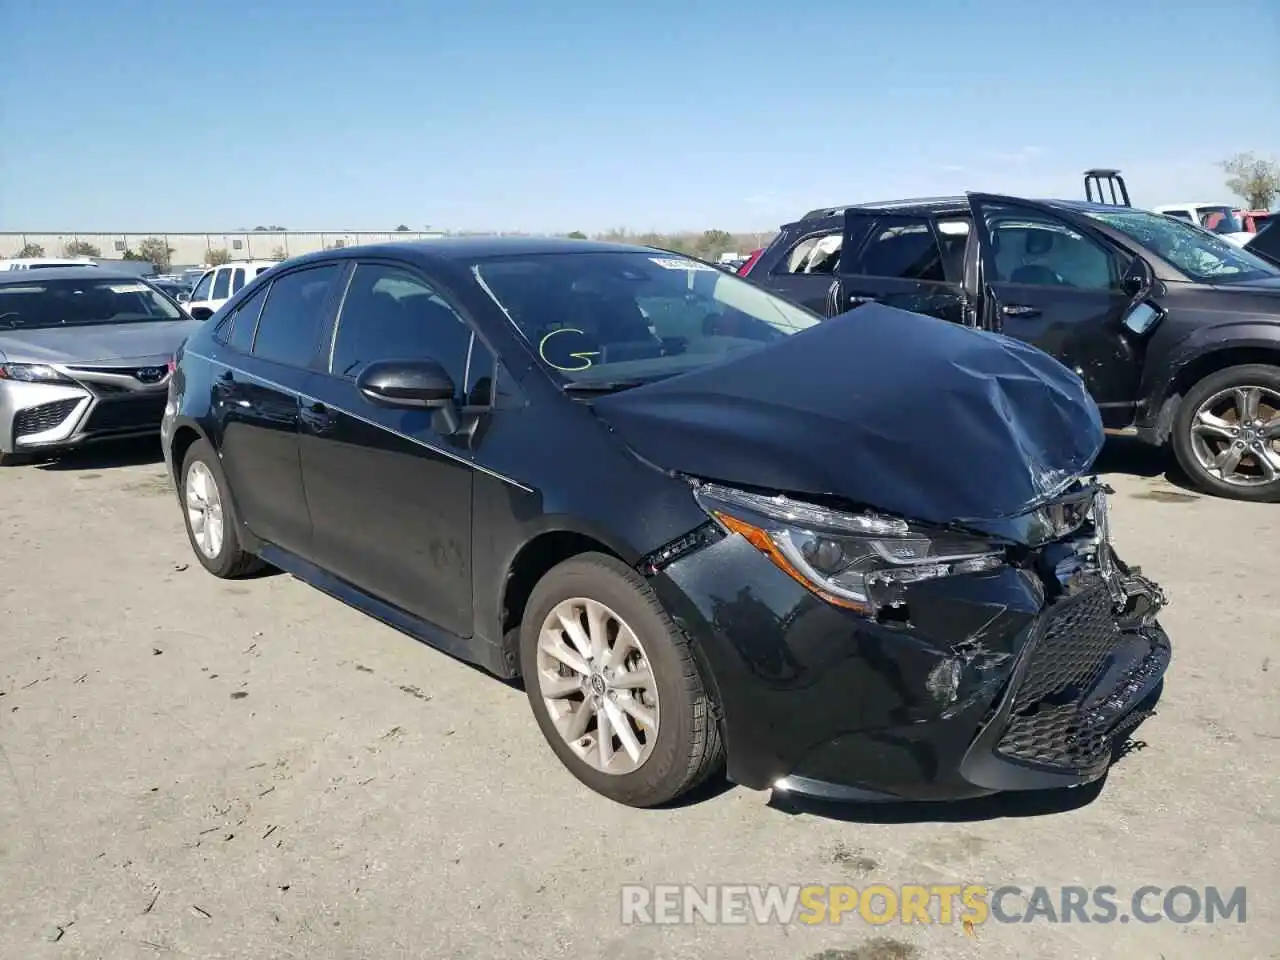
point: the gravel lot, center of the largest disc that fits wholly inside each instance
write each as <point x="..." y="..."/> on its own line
<point x="196" y="768"/>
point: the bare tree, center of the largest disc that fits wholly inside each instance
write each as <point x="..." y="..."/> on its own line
<point x="1253" y="179"/>
<point x="31" y="250"/>
<point x="80" y="248"/>
<point x="157" y="251"/>
<point x="218" y="257"/>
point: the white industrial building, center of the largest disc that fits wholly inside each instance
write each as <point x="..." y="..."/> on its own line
<point x="195" y="248"/>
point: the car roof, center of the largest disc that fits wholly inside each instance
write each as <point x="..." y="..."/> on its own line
<point x="467" y="249"/>
<point x="12" y="277"/>
<point x="935" y="206"/>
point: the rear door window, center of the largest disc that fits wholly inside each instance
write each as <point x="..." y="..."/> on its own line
<point x="901" y="248"/>
<point x="222" y="284"/>
<point x="293" y="314"/>
<point x="237" y="279"/>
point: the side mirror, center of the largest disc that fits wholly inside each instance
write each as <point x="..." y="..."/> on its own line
<point x="184" y="298"/>
<point x="417" y="384"/>
<point x="201" y="313"/>
<point x="1142" y="317"/>
<point x="1138" y="278"/>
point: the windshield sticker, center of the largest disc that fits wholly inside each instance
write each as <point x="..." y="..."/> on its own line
<point x="557" y="353"/>
<point x="128" y="287"/>
<point x="672" y="263"/>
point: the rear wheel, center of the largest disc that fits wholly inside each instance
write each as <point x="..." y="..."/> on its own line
<point x="212" y="524"/>
<point x="614" y="685"/>
<point x="1227" y="433"/>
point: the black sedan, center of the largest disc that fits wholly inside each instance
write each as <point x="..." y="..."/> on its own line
<point x="702" y="525"/>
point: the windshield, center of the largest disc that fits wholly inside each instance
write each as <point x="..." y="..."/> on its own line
<point x="1202" y="256"/>
<point x="633" y="316"/>
<point x="40" y="304"/>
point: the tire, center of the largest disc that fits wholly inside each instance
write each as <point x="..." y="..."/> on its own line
<point x="229" y="560"/>
<point x="687" y="747"/>
<point x="14" y="459"/>
<point x="1258" y="376"/>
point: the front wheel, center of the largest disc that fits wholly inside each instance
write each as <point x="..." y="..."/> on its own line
<point x="614" y="686"/>
<point x="1227" y="433"/>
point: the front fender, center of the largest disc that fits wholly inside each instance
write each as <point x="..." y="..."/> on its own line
<point x="1161" y="376"/>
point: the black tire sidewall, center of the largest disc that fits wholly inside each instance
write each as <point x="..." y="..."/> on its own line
<point x="610" y="582"/>
<point x="230" y="554"/>
<point x="1247" y="374"/>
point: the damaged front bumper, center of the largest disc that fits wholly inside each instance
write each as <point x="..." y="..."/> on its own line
<point x="1017" y="679"/>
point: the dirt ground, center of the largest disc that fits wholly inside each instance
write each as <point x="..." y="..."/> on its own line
<point x="195" y="768"/>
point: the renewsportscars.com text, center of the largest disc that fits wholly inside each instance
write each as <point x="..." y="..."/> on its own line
<point x="967" y="904"/>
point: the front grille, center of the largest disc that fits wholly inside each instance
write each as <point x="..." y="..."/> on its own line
<point x="1081" y="671"/>
<point x="135" y="413"/>
<point x="44" y="417"/>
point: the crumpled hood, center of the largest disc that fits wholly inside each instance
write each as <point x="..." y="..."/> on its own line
<point x="893" y="410"/>
<point x="96" y="343"/>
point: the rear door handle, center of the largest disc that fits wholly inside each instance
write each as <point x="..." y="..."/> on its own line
<point x="1019" y="310"/>
<point x="858" y="299"/>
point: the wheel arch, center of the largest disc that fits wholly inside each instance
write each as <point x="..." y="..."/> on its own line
<point x="1206" y="362"/>
<point x="535" y="558"/>
<point x="185" y="433"/>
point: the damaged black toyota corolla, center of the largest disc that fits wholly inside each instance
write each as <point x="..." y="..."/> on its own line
<point x="704" y="527"/>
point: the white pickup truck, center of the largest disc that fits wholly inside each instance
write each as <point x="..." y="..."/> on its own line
<point x="1219" y="218"/>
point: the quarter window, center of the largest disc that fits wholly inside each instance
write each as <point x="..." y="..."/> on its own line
<point x="392" y="314"/>
<point x="244" y="322"/>
<point x="817" y="255"/>
<point x="237" y="279"/>
<point x="902" y="248"/>
<point x="222" y="284"/>
<point x="292" y="315"/>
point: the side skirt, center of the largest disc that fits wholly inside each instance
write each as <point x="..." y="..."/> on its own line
<point x="473" y="650"/>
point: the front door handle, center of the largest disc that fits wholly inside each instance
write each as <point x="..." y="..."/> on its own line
<point x="1019" y="310"/>
<point x="858" y="299"/>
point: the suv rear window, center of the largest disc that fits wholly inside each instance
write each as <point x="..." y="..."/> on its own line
<point x="817" y="255"/>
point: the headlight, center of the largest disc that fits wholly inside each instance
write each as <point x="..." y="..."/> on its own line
<point x="859" y="561"/>
<point x="31" y="373"/>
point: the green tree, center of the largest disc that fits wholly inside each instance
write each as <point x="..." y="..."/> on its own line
<point x="403" y="228"/>
<point x="157" y="251"/>
<point x="576" y="235"/>
<point x="1254" y="179"/>
<point x="132" y="255"/>
<point x="218" y="257"/>
<point x="712" y="243"/>
<point x="31" y="250"/>
<point x="80" y="248"/>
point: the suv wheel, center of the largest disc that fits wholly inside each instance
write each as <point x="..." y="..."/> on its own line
<point x="212" y="525"/>
<point x="614" y="685"/>
<point x="1227" y="433"/>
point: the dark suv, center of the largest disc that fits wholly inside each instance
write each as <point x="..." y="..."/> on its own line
<point x="1175" y="332"/>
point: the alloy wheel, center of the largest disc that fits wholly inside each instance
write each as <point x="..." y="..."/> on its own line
<point x="1235" y="435"/>
<point x="596" y="682"/>
<point x="204" y="509"/>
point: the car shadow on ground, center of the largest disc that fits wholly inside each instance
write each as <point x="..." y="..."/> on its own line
<point x="107" y="456"/>
<point x="1130" y="456"/>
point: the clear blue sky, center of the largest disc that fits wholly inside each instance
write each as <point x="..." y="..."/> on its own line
<point x="496" y="114"/>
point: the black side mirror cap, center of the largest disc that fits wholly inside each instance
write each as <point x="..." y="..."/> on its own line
<point x="413" y="384"/>
<point x="201" y="313"/>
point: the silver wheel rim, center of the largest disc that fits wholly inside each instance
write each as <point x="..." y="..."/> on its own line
<point x="204" y="509"/>
<point x="596" y="682"/>
<point x="1235" y="436"/>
